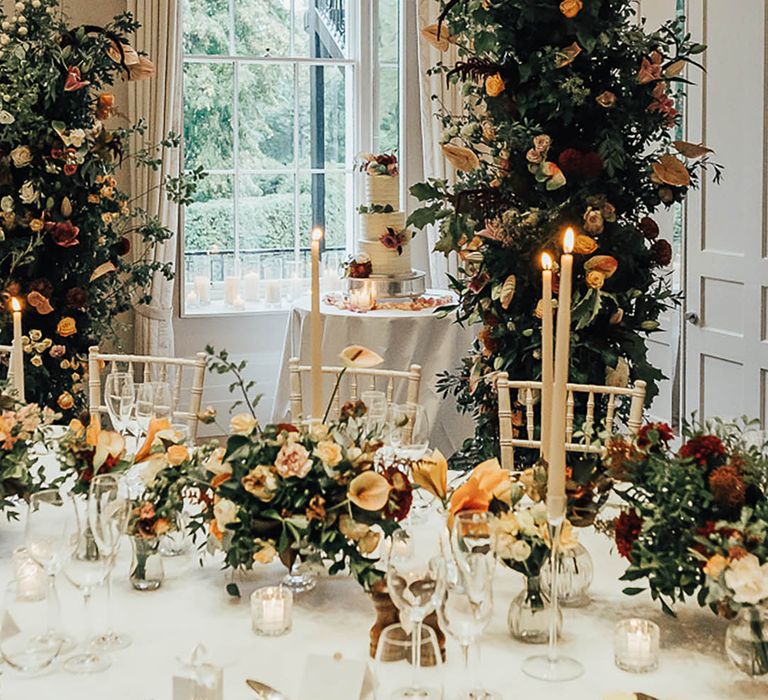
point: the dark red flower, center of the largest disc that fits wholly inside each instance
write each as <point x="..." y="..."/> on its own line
<point x="627" y="529"/>
<point x="70" y="169"/>
<point x="661" y="251"/>
<point x="286" y="428"/>
<point x="478" y="282"/>
<point x="74" y="81"/>
<point x="570" y="161"/>
<point x="63" y="233"/>
<point x="653" y="434"/>
<point x="57" y="153"/>
<point x="728" y="487"/>
<point x="76" y="297"/>
<point x="401" y="495"/>
<point x="591" y="165"/>
<point x="703" y="449"/>
<point x="123" y="246"/>
<point x="649" y="228"/>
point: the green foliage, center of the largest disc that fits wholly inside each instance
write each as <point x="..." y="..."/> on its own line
<point x="595" y="92"/>
<point x="219" y="363"/>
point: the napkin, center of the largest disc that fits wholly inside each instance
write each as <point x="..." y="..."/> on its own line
<point x="198" y="679"/>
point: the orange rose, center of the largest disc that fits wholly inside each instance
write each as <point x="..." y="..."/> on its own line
<point x="105" y="105"/>
<point x="584" y="245"/>
<point x="66" y="327"/>
<point x="571" y="8"/>
<point x="595" y="279"/>
<point x="494" y="85"/>
<point x="65" y="401"/>
<point x="177" y="454"/>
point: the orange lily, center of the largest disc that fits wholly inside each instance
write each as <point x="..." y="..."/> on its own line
<point x="155" y="426"/>
<point x="369" y="491"/>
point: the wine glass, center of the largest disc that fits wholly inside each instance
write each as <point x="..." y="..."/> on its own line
<point x="44" y="539"/>
<point x="120" y="398"/>
<point x="397" y="419"/>
<point x="392" y="662"/>
<point x="415" y="434"/>
<point x="109" y="506"/>
<point x="153" y="400"/>
<point x="376" y="417"/>
<point x="25" y="642"/>
<point x="416" y="581"/>
<point x="86" y="566"/>
<point x="163" y="401"/>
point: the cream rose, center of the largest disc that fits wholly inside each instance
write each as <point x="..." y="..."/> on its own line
<point x="293" y="460"/>
<point x="242" y="424"/>
<point x="225" y="512"/>
<point x="328" y="452"/>
<point x="216" y="464"/>
<point x="748" y="580"/>
<point x="520" y="551"/>
<point x="266" y="552"/>
<point x="21" y="156"/>
<point x="28" y="193"/>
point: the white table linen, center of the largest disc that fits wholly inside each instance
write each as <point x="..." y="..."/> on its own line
<point x="402" y="338"/>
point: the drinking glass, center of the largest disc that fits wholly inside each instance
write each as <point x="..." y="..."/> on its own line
<point x="25" y="642"/>
<point x="376" y="418"/>
<point x="415" y="435"/>
<point x="153" y="400"/>
<point x="109" y="507"/>
<point x="397" y="419"/>
<point x="44" y="539"/>
<point x="394" y="652"/>
<point x="120" y="398"/>
<point x="86" y="566"/>
<point x="416" y="581"/>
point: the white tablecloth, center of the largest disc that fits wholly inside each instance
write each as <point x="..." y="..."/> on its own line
<point x="192" y="607"/>
<point x="402" y="338"/>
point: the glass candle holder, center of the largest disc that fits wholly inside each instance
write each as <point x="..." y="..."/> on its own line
<point x="31" y="581"/>
<point x="271" y="610"/>
<point x="636" y="645"/>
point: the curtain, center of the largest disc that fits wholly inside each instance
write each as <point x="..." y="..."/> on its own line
<point x="429" y="128"/>
<point x="159" y="102"/>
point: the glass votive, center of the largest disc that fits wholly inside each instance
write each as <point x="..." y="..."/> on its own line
<point x="636" y="645"/>
<point x="271" y="610"/>
<point x="31" y="581"/>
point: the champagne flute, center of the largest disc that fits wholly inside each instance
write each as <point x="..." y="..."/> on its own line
<point x="109" y="507"/>
<point x="153" y="400"/>
<point x="44" y="539"/>
<point x="376" y="417"/>
<point x="86" y="566"/>
<point x="416" y="581"/>
<point x="416" y="431"/>
<point x="162" y="406"/>
<point x="120" y="398"/>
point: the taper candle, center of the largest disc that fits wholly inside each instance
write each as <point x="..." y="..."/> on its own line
<point x="547" y="342"/>
<point x="556" y="500"/>
<point x="17" y="352"/>
<point x="316" y="330"/>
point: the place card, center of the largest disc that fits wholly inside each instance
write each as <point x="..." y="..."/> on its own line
<point x="335" y="678"/>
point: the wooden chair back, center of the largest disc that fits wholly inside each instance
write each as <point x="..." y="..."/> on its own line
<point x="162" y="369"/>
<point x="528" y="393"/>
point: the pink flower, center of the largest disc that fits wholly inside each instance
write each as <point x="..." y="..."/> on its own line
<point x="147" y="511"/>
<point x="63" y="233"/>
<point x="58" y="351"/>
<point x="74" y="81"/>
<point x="650" y="69"/>
<point x="293" y="460"/>
<point x="663" y="104"/>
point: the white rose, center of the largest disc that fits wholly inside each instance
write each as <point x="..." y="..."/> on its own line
<point x="5" y="39"/>
<point x="539" y="512"/>
<point x="521" y="550"/>
<point x="215" y="465"/>
<point x="748" y="580"/>
<point x="28" y="193"/>
<point x="75" y="138"/>
<point x="505" y="544"/>
<point x="526" y="523"/>
<point x="242" y="424"/>
<point x="21" y="156"/>
<point x="225" y="513"/>
<point x="6" y="203"/>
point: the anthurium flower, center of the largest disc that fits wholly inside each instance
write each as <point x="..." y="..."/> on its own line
<point x="437" y="36"/>
<point x="669" y="170"/>
<point x="155" y="426"/>
<point x="431" y="473"/>
<point x="567" y="55"/>
<point x="74" y="81"/>
<point x="357" y="356"/>
<point x="369" y="491"/>
<point x="460" y="157"/>
<point x="108" y="444"/>
<point x="40" y="303"/>
<point x="605" y="264"/>
<point x="469" y="496"/>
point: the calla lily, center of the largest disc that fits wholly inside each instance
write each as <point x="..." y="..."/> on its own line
<point x="359" y="357"/>
<point x="431" y="473"/>
<point x="108" y="444"/>
<point x="605" y="264"/>
<point x="469" y="496"/>
<point x="493" y="479"/>
<point x="369" y="491"/>
<point x="155" y="426"/>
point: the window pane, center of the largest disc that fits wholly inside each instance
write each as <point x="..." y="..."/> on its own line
<point x="389" y="110"/>
<point x="321" y="28"/>
<point x="389" y="31"/>
<point x="323" y="197"/>
<point x="206" y="26"/>
<point x="265" y="212"/>
<point x="266" y="116"/>
<point x="208" y="89"/>
<point x="263" y="27"/>
<point x="322" y="116"/>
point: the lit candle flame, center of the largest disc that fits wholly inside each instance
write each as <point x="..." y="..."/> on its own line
<point x="15" y="304"/>
<point x="568" y="240"/>
<point x="317" y="234"/>
<point x="546" y="261"/>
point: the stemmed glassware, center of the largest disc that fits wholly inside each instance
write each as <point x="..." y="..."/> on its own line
<point x="153" y="400"/>
<point x="120" y="399"/>
<point x="376" y="416"/>
<point x="466" y="608"/>
<point x="416" y="584"/>
<point x="86" y="566"/>
<point x="109" y="507"/>
<point x="416" y="431"/>
<point x="44" y="539"/>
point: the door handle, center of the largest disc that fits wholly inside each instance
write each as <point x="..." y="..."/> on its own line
<point x="693" y="318"/>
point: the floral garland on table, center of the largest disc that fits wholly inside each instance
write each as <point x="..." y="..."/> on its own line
<point x="567" y="121"/>
<point x="288" y="489"/>
<point x="420" y="303"/>
<point x="696" y="517"/>
<point x="21" y="429"/>
<point x="67" y="227"/>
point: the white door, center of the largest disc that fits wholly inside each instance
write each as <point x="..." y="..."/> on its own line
<point x="726" y="271"/>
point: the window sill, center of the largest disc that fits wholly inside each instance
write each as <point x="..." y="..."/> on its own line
<point x="219" y="309"/>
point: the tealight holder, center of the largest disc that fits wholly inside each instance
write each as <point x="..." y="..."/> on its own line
<point x="362" y="299"/>
<point x="31" y="580"/>
<point x="636" y="645"/>
<point x="271" y="610"/>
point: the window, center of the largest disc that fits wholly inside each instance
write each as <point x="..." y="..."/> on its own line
<point x="279" y="96"/>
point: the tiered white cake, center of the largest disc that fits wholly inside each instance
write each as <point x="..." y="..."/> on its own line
<point x="383" y="236"/>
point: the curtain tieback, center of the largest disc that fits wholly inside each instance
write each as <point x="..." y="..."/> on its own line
<point x="155" y="313"/>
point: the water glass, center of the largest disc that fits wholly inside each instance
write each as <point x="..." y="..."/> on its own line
<point x="153" y="400"/>
<point x="120" y="398"/>
<point x="376" y="417"/>
<point x="415" y="435"/>
<point x="393" y="670"/>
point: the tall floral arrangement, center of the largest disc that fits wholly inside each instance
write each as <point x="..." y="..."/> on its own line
<point x="568" y="119"/>
<point x="67" y="227"/>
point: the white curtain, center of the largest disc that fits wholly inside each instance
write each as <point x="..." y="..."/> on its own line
<point x="158" y="101"/>
<point x="432" y="162"/>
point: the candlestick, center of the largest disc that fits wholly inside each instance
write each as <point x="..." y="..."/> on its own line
<point x="271" y="608"/>
<point x="203" y="289"/>
<point x="546" y="354"/>
<point x="316" y="330"/>
<point x="251" y="284"/>
<point x="556" y="502"/>
<point x="17" y="351"/>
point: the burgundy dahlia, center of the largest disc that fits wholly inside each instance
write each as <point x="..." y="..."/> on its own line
<point x="627" y="529"/>
<point x="661" y="252"/>
<point x="649" y="228"/>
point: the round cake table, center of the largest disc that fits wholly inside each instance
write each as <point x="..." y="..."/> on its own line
<point x="402" y="338"/>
